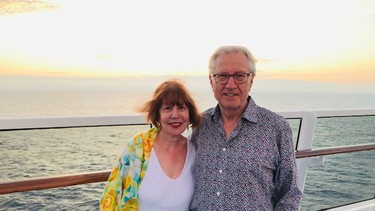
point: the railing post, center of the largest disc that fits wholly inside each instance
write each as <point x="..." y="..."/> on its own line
<point x="305" y="141"/>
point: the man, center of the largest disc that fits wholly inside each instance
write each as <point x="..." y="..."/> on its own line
<point x="245" y="158"/>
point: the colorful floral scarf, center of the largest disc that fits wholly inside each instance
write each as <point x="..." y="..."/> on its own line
<point x="121" y="190"/>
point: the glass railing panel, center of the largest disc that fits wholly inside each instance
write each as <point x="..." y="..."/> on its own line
<point x="342" y="131"/>
<point x="78" y="197"/>
<point x="295" y="125"/>
<point x="40" y="153"/>
<point x="343" y="178"/>
<point x="36" y="153"/>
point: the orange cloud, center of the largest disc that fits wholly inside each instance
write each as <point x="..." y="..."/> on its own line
<point x="9" y="7"/>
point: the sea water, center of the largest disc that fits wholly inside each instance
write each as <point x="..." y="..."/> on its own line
<point x="38" y="153"/>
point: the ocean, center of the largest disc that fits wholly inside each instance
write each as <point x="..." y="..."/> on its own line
<point x="37" y="153"/>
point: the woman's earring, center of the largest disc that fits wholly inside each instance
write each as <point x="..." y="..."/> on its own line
<point x="157" y="126"/>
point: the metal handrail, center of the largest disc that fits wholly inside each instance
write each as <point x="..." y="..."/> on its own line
<point x="334" y="150"/>
<point x="101" y="176"/>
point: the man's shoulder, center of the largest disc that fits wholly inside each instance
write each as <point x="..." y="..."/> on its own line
<point x="207" y="113"/>
<point x="265" y="113"/>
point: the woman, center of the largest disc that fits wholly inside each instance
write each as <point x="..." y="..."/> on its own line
<point x="154" y="170"/>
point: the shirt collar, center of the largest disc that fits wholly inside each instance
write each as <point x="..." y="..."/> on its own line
<point x="250" y="113"/>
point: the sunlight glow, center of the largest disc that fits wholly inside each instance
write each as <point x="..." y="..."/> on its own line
<point x="331" y="41"/>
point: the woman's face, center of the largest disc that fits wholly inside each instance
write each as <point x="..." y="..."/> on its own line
<point x="174" y="119"/>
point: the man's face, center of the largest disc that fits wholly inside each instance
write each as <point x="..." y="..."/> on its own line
<point x="231" y="96"/>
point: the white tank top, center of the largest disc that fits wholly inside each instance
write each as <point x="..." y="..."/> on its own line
<point x="158" y="192"/>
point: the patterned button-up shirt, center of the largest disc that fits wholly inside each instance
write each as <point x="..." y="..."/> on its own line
<point x="254" y="169"/>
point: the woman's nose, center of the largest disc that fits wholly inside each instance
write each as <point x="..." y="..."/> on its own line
<point x="174" y="112"/>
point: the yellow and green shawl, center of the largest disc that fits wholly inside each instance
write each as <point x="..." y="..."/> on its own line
<point x="121" y="190"/>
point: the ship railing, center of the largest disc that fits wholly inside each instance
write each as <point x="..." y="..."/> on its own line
<point x="101" y="176"/>
<point x="306" y="156"/>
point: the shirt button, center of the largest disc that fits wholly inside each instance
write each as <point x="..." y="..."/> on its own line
<point x="218" y="193"/>
<point x="220" y="171"/>
<point x="224" y="149"/>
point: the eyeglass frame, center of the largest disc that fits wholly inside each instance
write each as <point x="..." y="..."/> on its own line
<point x="231" y="75"/>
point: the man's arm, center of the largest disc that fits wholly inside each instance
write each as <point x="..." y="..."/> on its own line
<point x="289" y="195"/>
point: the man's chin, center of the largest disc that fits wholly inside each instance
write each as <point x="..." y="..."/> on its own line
<point x="230" y="107"/>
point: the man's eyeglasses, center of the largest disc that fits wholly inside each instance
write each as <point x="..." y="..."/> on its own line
<point x="239" y="78"/>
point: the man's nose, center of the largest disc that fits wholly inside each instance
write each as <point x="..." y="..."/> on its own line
<point x="231" y="82"/>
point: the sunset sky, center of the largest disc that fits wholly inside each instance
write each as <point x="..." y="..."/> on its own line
<point x="329" y="41"/>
